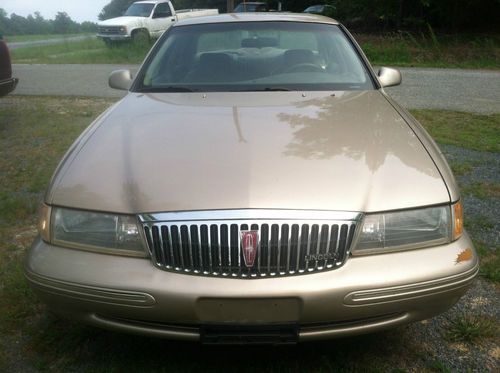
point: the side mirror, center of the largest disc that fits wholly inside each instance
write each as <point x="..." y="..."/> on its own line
<point x="389" y="77"/>
<point x="121" y="79"/>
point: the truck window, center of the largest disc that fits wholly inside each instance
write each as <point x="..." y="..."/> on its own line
<point x="139" y="10"/>
<point x="162" y="10"/>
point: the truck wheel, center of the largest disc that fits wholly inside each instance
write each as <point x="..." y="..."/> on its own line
<point x="140" y="37"/>
<point x="109" y="42"/>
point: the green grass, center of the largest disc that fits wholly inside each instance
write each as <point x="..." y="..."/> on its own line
<point x="476" y="132"/>
<point x="88" y="51"/>
<point x="35" y="132"/>
<point x="460" y="169"/>
<point x="34" y="135"/>
<point x="31" y="145"/>
<point x="490" y="262"/>
<point x="467" y="130"/>
<point x="21" y="38"/>
<point x="483" y="189"/>
<point x="470" y="328"/>
<point x="439" y="367"/>
<point x="489" y="254"/>
<point x="429" y="50"/>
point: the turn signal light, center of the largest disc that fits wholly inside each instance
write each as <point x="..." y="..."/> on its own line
<point x="458" y="220"/>
<point x="44" y="222"/>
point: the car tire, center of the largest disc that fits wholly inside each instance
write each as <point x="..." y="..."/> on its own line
<point x="140" y="37"/>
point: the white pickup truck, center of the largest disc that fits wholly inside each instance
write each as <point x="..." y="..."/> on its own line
<point x="146" y="19"/>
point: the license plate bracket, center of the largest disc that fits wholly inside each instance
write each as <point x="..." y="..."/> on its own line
<point x="251" y="311"/>
<point x="250" y="334"/>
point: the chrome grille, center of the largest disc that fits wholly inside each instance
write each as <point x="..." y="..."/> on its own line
<point x="214" y="248"/>
<point x="110" y="30"/>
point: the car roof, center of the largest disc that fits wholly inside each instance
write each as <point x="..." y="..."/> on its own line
<point x="257" y="17"/>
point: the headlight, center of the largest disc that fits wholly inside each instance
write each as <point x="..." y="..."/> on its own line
<point x="411" y="229"/>
<point x="93" y="231"/>
<point x="123" y="29"/>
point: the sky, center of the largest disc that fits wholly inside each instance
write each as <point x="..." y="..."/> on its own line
<point x="78" y="10"/>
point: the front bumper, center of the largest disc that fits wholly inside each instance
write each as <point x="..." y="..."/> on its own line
<point x="114" y="37"/>
<point x="367" y="294"/>
<point x="7" y="86"/>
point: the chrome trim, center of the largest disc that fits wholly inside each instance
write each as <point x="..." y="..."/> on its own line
<point x="398" y="293"/>
<point x="90" y="293"/>
<point x="300" y="235"/>
<point x="250" y="214"/>
<point x="111" y="30"/>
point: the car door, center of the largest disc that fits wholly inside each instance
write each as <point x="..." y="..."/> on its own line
<point x="161" y="19"/>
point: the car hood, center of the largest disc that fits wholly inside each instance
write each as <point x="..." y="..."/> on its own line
<point x="280" y="150"/>
<point x="122" y="21"/>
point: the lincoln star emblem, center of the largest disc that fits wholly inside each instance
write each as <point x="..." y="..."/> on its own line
<point x="249" y="241"/>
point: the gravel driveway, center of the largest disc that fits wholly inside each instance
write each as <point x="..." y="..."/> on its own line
<point x="451" y="89"/>
<point x="483" y="299"/>
<point x="484" y="168"/>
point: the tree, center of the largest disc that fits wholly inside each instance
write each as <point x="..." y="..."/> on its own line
<point x="359" y="15"/>
<point x="36" y="25"/>
<point x="115" y="8"/>
<point x="17" y="24"/>
<point x="4" y="21"/>
<point x="42" y="26"/>
<point x="87" y="26"/>
<point x="63" y="24"/>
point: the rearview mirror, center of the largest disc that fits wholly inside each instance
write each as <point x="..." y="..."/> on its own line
<point x="121" y="79"/>
<point x="389" y="77"/>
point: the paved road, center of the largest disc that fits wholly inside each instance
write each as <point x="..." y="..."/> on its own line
<point x="32" y="43"/>
<point x="66" y="80"/>
<point x="451" y="89"/>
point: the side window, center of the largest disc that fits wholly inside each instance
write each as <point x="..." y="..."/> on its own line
<point x="162" y="10"/>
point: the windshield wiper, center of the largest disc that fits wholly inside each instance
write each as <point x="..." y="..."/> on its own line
<point x="177" y="89"/>
<point x="266" y="89"/>
<point x="276" y="89"/>
<point x="167" y="89"/>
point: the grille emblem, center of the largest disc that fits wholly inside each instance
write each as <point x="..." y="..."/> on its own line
<point x="249" y="241"/>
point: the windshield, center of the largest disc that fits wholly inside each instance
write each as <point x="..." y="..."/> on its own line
<point x="253" y="56"/>
<point x="250" y="7"/>
<point x="314" y="9"/>
<point x="139" y="10"/>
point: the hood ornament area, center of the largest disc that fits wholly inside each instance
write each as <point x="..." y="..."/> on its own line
<point x="249" y="242"/>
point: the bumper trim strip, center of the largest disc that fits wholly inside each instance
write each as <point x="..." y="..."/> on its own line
<point x="397" y="293"/>
<point x="90" y="293"/>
